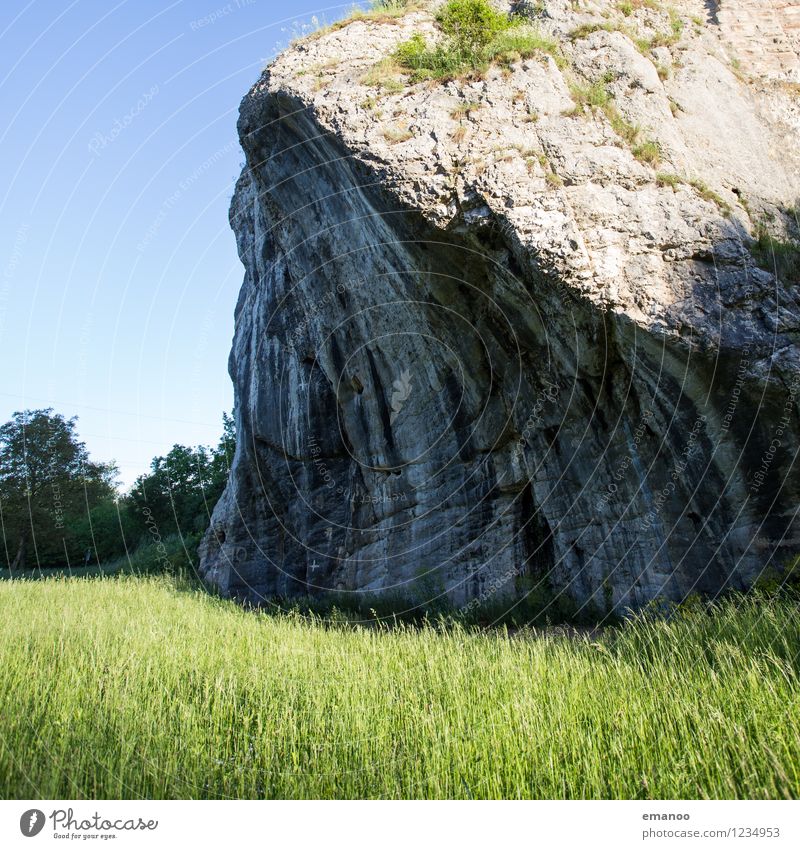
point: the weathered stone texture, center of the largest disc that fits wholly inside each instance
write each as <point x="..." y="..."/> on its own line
<point x="482" y="353"/>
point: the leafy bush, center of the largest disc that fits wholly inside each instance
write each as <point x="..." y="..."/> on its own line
<point x="60" y="509"/>
<point x="528" y="9"/>
<point x="472" y="24"/>
<point x="475" y="34"/>
<point x="47" y="484"/>
<point x="438" y="62"/>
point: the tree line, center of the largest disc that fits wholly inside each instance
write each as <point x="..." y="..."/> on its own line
<point x="60" y="508"/>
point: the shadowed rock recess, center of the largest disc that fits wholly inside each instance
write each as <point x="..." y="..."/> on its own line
<point x="488" y="348"/>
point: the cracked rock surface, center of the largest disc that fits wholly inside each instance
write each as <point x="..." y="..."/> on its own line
<point x="483" y="352"/>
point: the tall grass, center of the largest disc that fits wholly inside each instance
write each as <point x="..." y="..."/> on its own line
<point x="136" y="686"/>
<point x="782" y="258"/>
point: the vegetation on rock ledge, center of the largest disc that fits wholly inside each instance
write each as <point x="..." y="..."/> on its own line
<point x="782" y="258"/>
<point x="475" y="34"/>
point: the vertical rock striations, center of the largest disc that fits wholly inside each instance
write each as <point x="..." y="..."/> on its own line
<point x="486" y="350"/>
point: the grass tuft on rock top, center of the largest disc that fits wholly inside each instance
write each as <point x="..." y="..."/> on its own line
<point x="144" y="687"/>
<point x="702" y="189"/>
<point x="474" y="34"/>
<point x="597" y="96"/>
<point x="781" y="258"/>
<point x="643" y="44"/>
<point x="383" y="11"/>
<point x="378" y="12"/>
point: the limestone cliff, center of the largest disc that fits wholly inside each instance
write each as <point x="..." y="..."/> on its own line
<point x="499" y="338"/>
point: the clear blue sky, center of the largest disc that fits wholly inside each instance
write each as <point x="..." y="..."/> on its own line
<point x="118" y="150"/>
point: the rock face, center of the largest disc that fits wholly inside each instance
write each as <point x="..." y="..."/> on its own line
<point x="485" y="350"/>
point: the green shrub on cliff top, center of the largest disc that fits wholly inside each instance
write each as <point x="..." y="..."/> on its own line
<point x="472" y="24"/>
<point x="438" y="62"/>
<point x="475" y="34"/>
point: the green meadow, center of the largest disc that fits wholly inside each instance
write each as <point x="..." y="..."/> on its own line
<point x="133" y="686"/>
